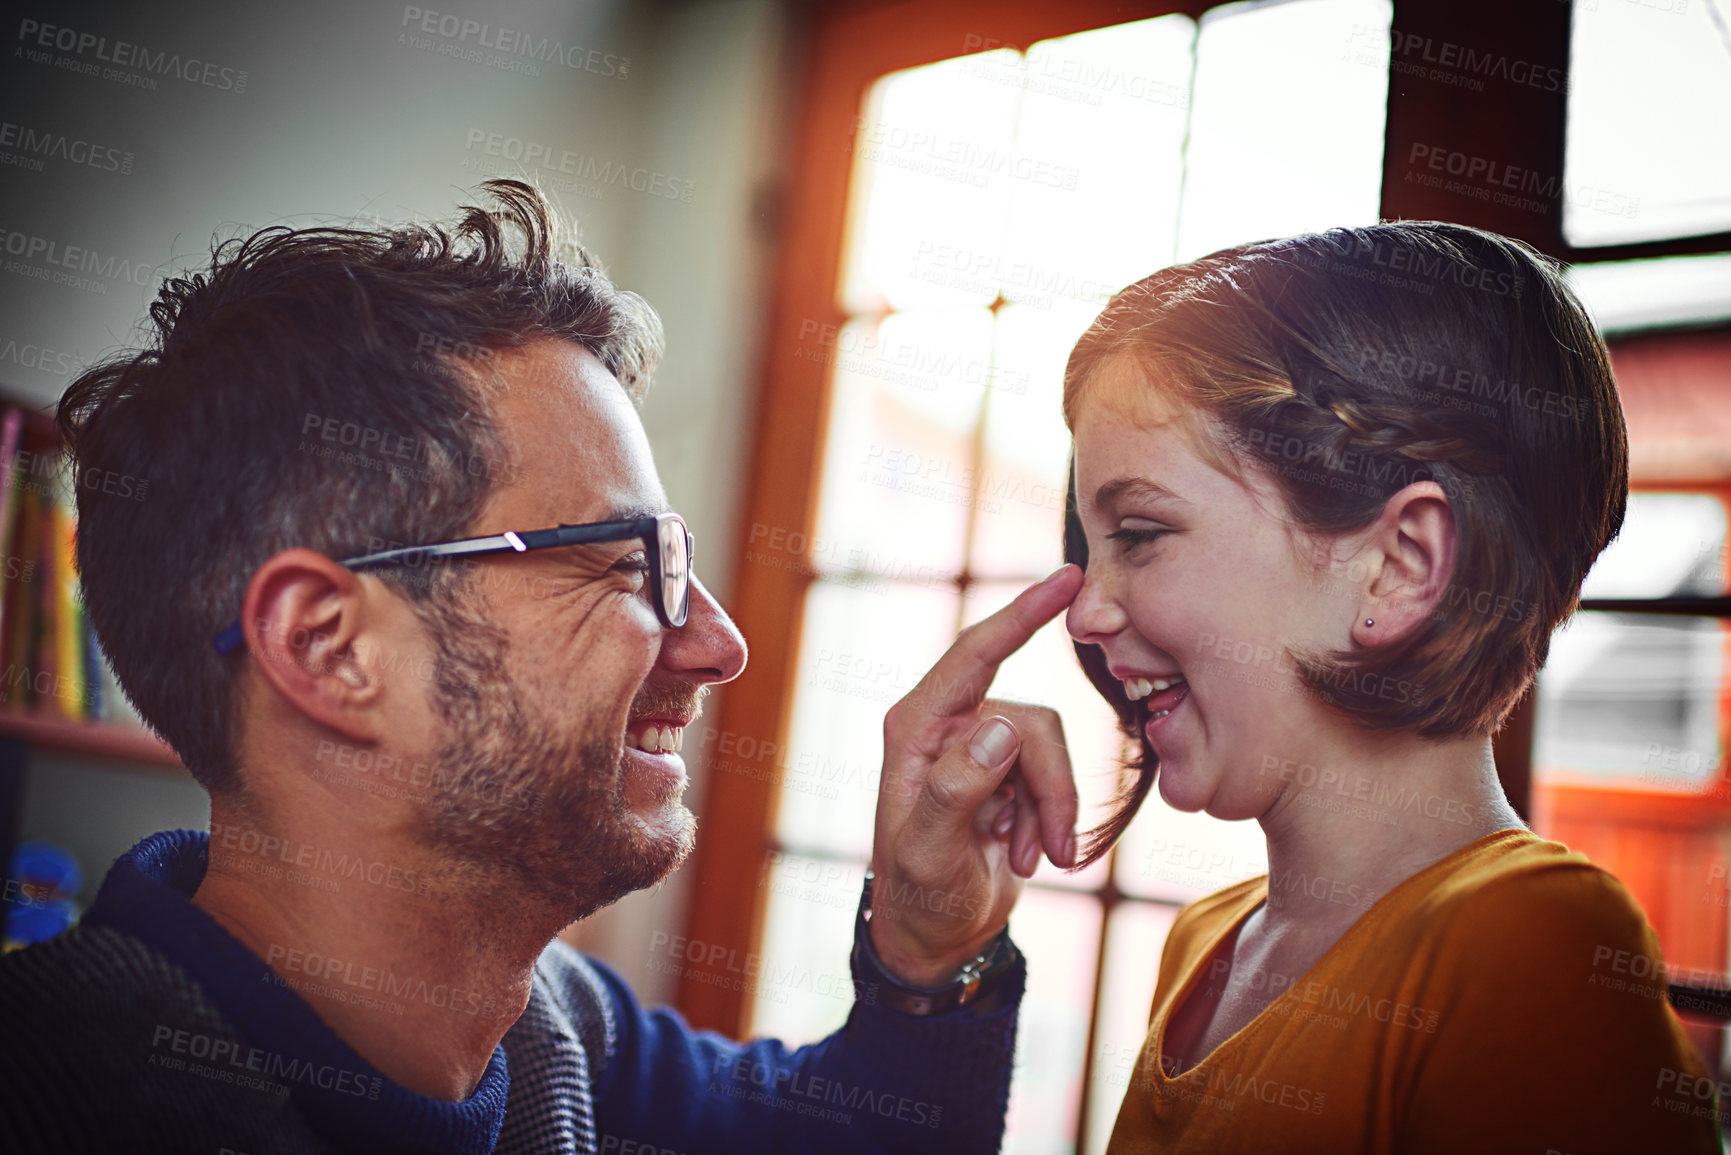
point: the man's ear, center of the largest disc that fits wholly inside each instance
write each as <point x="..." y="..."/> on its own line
<point x="301" y="618"/>
<point x="1410" y="549"/>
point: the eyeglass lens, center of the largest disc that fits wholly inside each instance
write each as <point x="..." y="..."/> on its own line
<point x="675" y="571"/>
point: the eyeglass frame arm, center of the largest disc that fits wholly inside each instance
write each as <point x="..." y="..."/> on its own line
<point x="508" y="542"/>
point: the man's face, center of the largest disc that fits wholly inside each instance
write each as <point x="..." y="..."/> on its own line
<point x="553" y="668"/>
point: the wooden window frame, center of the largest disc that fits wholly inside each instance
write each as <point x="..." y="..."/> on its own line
<point x="843" y="48"/>
<point x="846" y="47"/>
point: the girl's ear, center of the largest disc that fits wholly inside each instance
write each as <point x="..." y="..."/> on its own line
<point x="1410" y="550"/>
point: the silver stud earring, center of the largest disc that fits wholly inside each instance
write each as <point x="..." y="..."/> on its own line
<point x="1370" y="621"/>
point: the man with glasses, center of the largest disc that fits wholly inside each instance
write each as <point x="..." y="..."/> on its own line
<point x="436" y="680"/>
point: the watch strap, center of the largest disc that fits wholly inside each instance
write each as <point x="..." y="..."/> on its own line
<point x="978" y="984"/>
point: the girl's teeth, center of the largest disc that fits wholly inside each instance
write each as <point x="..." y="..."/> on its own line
<point x="1158" y="715"/>
<point x="1139" y="688"/>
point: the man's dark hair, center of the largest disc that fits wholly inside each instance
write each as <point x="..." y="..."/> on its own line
<point x="320" y="388"/>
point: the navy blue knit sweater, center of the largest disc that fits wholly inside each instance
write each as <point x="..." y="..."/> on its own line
<point x="149" y="1028"/>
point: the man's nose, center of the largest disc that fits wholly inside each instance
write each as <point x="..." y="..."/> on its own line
<point x="1094" y="616"/>
<point x="708" y="648"/>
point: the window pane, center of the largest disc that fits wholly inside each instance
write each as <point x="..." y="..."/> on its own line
<point x="1286" y="122"/>
<point x="1060" y="934"/>
<point x="934" y="161"/>
<point x="1108" y="110"/>
<point x="1625" y="295"/>
<point x="862" y="650"/>
<point x="1671" y="545"/>
<point x="1045" y="671"/>
<point x="1647" y="150"/>
<point x="1632" y="702"/>
<point x="899" y="462"/>
<point x="1134" y="939"/>
<point x="800" y="984"/>
<point x="1177" y="856"/>
<point x="1019" y="520"/>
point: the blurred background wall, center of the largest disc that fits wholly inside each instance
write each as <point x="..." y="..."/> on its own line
<point x="334" y="112"/>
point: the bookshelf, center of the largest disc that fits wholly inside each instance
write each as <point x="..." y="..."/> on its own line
<point x="120" y="741"/>
<point x="55" y="693"/>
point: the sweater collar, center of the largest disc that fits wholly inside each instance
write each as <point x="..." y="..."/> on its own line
<point x="148" y="895"/>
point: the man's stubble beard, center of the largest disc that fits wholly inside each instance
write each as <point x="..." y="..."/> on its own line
<point x="524" y="796"/>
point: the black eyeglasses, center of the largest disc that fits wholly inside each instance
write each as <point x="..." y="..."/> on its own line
<point x="666" y="543"/>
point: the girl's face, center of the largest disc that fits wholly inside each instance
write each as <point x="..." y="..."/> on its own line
<point x="1195" y="582"/>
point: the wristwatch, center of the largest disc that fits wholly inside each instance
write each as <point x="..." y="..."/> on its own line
<point x="977" y="985"/>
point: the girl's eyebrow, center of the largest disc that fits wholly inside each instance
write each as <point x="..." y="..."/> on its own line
<point x="1122" y="487"/>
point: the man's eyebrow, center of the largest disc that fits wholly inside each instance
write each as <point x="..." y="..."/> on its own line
<point x="1122" y="487"/>
<point x="632" y="513"/>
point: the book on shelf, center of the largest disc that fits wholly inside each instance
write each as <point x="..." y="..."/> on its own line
<point x="50" y="663"/>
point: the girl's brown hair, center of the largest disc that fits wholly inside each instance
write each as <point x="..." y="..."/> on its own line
<point x="1349" y="364"/>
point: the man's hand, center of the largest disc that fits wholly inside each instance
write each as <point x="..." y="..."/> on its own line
<point x="972" y="790"/>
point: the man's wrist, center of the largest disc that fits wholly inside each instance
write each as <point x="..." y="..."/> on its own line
<point x="906" y="967"/>
<point x="978" y="981"/>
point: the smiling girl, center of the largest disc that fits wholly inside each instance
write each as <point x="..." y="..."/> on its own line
<point x="1330" y="516"/>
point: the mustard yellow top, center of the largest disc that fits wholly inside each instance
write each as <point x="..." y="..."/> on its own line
<point x="1503" y="999"/>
